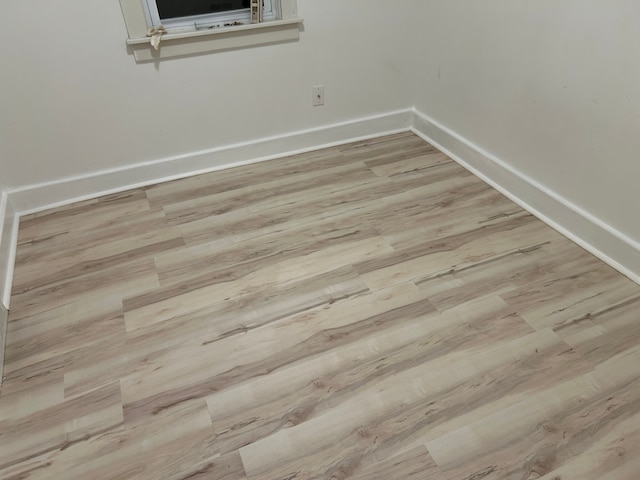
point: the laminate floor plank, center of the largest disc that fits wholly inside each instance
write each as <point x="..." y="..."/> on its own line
<point x="573" y="415"/>
<point x="365" y="311"/>
<point x="603" y="335"/>
<point x="63" y="224"/>
<point x="503" y="273"/>
<point x="279" y="192"/>
<point x="57" y="426"/>
<point x="435" y="257"/>
<point x="243" y="414"/>
<point x="287" y="169"/>
<point x="322" y="202"/>
<point x="416" y="464"/>
<point x="131" y="278"/>
<point x="37" y="274"/>
<point x="42" y="340"/>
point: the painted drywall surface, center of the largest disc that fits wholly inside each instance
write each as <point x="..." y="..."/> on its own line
<point x="74" y="102"/>
<point x="552" y="88"/>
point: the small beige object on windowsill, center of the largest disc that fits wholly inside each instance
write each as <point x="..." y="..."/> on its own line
<point x="156" y="35"/>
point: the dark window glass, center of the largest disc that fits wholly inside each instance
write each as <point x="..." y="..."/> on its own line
<point x="185" y="8"/>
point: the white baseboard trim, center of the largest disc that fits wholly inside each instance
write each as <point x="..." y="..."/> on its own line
<point x="602" y="240"/>
<point x="8" y="243"/>
<point x="4" y="318"/>
<point x="35" y="198"/>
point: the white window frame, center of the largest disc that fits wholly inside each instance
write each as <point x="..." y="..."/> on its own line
<point x="204" y="21"/>
<point x="284" y="27"/>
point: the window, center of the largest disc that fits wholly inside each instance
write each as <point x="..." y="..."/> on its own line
<point x="202" y="14"/>
<point x="202" y="26"/>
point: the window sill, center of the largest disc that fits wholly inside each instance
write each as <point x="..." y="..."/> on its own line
<point x="204" y="41"/>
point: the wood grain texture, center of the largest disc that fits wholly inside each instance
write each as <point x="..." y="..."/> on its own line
<point x="367" y="312"/>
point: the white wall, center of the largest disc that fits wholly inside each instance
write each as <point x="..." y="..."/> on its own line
<point x="550" y="87"/>
<point x="74" y="102"/>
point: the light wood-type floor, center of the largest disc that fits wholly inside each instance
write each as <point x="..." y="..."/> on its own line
<point x="369" y="311"/>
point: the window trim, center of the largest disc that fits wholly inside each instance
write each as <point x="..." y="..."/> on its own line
<point x="285" y="28"/>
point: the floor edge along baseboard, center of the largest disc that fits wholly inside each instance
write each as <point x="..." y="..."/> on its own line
<point x="592" y="234"/>
<point x="35" y="198"/>
<point x="596" y="236"/>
